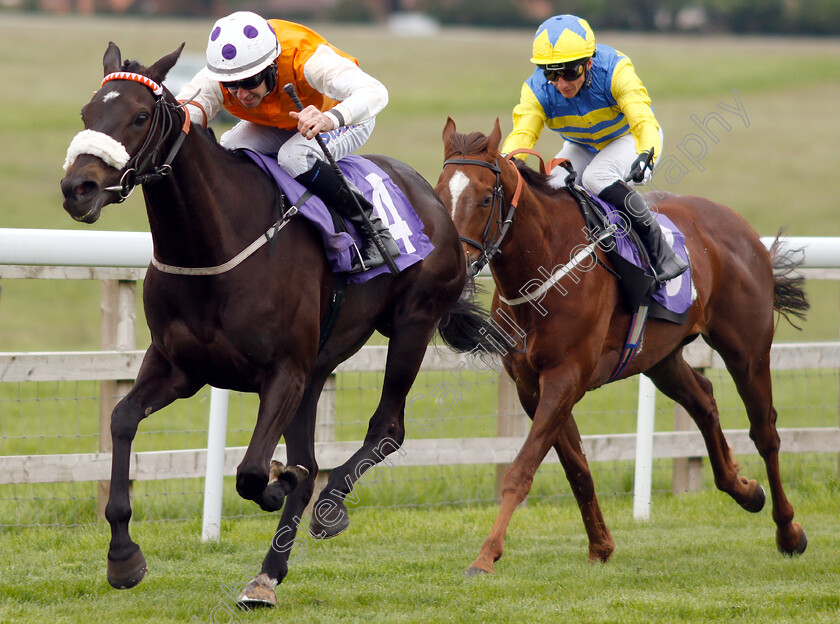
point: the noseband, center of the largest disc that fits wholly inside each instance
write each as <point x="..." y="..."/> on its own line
<point x="496" y="228"/>
<point x="163" y="122"/>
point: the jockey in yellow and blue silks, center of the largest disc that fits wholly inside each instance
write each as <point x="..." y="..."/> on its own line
<point x="596" y="102"/>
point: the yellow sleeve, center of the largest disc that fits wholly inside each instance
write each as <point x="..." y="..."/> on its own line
<point x="634" y="102"/>
<point x="528" y="122"/>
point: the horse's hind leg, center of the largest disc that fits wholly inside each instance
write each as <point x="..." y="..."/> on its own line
<point x="386" y="428"/>
<point x="751" y="373"/>
<point x="677" y="380"/>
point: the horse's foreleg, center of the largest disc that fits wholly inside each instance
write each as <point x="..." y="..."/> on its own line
<point x="300" y="452"/>
<point x="570" y="450"/>
<point x="155" y="388"/>
<point x="557" y="395"/>
<point x="279" y="400"/>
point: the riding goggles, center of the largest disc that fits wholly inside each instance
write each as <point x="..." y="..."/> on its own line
<point x="567" y="71"/>
<point x="252" y="82"/>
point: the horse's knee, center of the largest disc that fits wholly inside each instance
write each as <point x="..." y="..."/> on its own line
<point x="124" y="422"/>
<point x="386" y="438"/>
<point x="250" y="482"/>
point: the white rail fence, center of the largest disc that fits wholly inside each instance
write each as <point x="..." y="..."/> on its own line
<point x="118" y="258"/>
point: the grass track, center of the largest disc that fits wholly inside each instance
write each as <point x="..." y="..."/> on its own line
<point x="700" y="559"/>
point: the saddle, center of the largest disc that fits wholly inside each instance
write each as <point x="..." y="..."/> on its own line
<point x="338" y="238"/>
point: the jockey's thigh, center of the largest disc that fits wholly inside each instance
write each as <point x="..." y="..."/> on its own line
<point x="613" y="163"/>
<point x="262" y="139"/>
<point x="299" y="154"/>
<point x="578" y="156"/>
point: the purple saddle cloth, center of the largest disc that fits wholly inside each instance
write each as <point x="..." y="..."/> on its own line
<point x="390" y="203"/>
<point x="675" y="295"/>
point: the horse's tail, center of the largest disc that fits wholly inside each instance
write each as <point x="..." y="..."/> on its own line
<point x="788" y="286"/>
<point x="468" y="327"/>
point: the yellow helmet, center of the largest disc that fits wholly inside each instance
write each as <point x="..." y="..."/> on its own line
<point x="561" y="39"/>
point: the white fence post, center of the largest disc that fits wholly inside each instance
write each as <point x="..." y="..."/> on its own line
<point x="214" y="477"/>
<point x="644" y="449"/>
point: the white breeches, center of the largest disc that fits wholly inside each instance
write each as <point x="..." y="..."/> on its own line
<point x="295" y="153"/>
<point x="596" y="172"/>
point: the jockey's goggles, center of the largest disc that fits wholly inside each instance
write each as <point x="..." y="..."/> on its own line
<point x="252" y="82"/>
<point x="567" y="71"/>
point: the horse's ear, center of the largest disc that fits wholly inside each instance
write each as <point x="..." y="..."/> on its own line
<point x="448" y="131"/>
<point x="112" y="59"/>
<point x="495" y="137"/>
<point x="158" y="71"/>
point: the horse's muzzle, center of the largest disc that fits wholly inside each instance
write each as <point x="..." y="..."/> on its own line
<point x="83" y="197"/>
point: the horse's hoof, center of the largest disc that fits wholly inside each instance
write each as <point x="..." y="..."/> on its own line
<point x="799" y="547"/>
<point x="329" y="518"/>
<point x="291" y="475"/>
<point x="756" y="504"/>
<point x="258" y="593"/>
<point x="127" y="573"/>
<point x="475" y="571"/>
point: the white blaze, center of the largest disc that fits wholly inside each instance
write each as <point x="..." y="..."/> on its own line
<point x="457" y="184"/>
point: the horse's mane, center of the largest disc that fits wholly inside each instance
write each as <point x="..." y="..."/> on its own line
<point x="476" y="143"/>
<point x="535" y="179"/>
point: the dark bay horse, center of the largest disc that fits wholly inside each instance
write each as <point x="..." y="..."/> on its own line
<point x="253" y="327"/>
<point x="574" y="338"/>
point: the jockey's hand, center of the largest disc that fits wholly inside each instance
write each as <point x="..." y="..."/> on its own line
<point x="311" y="121"/>
<point x="642" y="164"/>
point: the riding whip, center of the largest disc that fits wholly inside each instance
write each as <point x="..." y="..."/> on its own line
<point x="377" y="240"/>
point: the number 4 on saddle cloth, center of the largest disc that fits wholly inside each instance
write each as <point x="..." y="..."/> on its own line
<point x="388" y="200"/>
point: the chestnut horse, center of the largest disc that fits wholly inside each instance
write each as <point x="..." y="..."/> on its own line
<point x="255" y="326"/>
<point x="573" y="343"/>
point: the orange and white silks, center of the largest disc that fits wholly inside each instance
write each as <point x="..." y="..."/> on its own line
<point x="297" y="45"/>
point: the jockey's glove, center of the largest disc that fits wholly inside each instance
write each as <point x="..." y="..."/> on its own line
<point x="642" y="164"/>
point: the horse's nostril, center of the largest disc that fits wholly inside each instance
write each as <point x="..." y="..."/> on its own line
<point x="85" y="188"/>
<point x="73" y="189"/>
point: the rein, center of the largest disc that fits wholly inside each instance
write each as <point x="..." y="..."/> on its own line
<point x="490" y="244"/>
<point x="163" y="122"/>
<point x="503" y="222"/>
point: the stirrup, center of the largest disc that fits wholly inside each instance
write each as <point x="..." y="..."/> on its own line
<point x="677" y="268"/>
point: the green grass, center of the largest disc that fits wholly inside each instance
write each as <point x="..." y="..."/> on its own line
<point x="700" y="559"/>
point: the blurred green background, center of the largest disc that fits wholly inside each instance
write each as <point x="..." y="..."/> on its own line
<point x="774" y="161"/>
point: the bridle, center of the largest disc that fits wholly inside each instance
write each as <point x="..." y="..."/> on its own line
<point x="499" y="219"/>
<point x="164" y="120"/>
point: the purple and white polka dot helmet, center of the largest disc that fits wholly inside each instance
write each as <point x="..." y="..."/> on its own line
<point x="240" y="45"/>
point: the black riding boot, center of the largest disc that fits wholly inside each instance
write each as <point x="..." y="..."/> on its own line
<point x="666" y="264"/>
<point x="325" y="183"/>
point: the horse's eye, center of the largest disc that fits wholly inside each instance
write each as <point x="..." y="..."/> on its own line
<point x="486" y="202"/>
<point x="141" y="119"/>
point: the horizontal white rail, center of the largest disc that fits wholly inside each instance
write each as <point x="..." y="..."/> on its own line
<point x="20" y="246"/>
<point x="75" y="248"/>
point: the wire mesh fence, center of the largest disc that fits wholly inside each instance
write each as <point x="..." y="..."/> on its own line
<point x="55" y="418"/>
